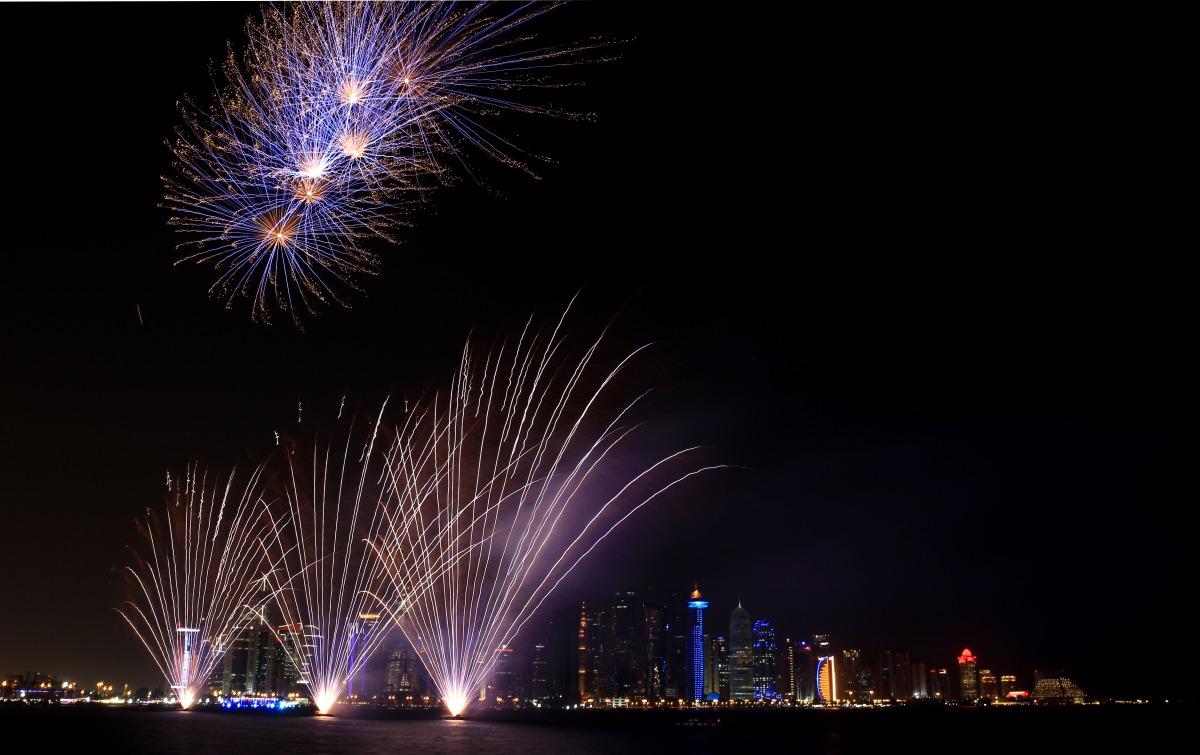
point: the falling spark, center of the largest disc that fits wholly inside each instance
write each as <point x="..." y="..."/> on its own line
<point x="194" y="589"/>
<point x="501" y="486"/>
<point x="330" y="592"/>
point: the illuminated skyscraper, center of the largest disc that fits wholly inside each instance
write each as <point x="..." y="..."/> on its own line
<point x="826" y="680"/>
<point x="717" y="682"/>
<point x="741" y="655"/>
<point x="989" y="685"/>
<point x="805" y="670"/>
<point x="582" y="656"/>
<point x="1054" y="688"/>
<point x="1008" y="683"/>
<point x="855" y="681"/>
<point x="654" y="650"/>
<point x="696" y="608"/>
<point x="787" y="671"/>
<point x="503" y="692"/>
<point x="356" y="684"/>
<point x="189" y="637"/>
<point x="766" y="682"/>
<point x="404" y="681"/>
<point x="920" y="681"/>
<point x="968" y="676"/>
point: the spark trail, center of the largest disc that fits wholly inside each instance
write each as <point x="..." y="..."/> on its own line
<point x="501" y="486"/>
<point x="332" y="595"/>
<point x="197" y="583"/>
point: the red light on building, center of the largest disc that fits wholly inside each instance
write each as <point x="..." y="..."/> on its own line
<point x="966" y="656"/>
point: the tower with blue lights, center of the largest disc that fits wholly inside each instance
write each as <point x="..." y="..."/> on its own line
<point x="696" y="608"/>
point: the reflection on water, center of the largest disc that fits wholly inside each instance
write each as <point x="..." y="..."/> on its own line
<point x="829" y="732"/>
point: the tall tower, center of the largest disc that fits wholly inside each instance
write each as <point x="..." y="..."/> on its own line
<point x="717" y="673"/>
<point x="696" y="608"/>
<point x="826" y="681"/>
<point x="357" y="683"/>
<point x="766" y="681"/>
<point x="968" y="677"/>
<point x="654" y="650"/>
<point x="741" y="655"/>
<point x="581" y="688"/>
<point x="625" y="671"/>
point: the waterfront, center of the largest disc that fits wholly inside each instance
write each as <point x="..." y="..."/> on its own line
<point x="999" y="729"/>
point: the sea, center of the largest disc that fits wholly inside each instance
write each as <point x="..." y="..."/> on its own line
<point x="1011" y="730"/>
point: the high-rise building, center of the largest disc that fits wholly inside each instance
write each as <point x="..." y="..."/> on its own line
<point x="895" y="680"/>
<point x="766" y="682"/>
<point x="582" y="656"/>
<point x="741" y="655"/>
<point x="1054" y="688"/>
<point x="806" y="669"/>
<point x="716" y="683"/>
<point x="623" y="669"/>
<point x="676" y="645"/>
<point x="654" y="644"/>
<point x="787" y="670"/>
<point x="920" y="682"/>
<point x="968" y="676"/>
<point x="505" y="688"/>
<point x="939" y="684"/>
<point x="295" y="639"/>
<point x="594" y="657"/>
<point x="854" y="683"/>
<point x="696" y="605"/>
<point x="404" y="681"/>
<point x="989" y="685"/>
<point x="356" y="684"/>
<point x="1008" y="683"/>
<point x="540" y="673"/>
<point x="826" y="681"/>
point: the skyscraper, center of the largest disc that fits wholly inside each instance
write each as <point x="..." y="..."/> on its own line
<point x="717" y="676"/>
<point x="826" y="680"/>
<point x="741" y="655"/>
<point x="404" y="682"/>
<point x="356" y="684"/>
<point x="696" y="608"/>
<point x="766" y="681"/>
<point x="624" y="669"/>
<point x="968" y="677"/>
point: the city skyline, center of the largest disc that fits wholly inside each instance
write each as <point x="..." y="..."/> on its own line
<point x="871" y="261"/>
<point x="560" y="626"/>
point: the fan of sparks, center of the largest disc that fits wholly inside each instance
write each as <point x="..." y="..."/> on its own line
<point x="334" y="119"/>
<point x="452" y="526"/>
<point x="503" y="485"/>
<point x="192" y="588"/>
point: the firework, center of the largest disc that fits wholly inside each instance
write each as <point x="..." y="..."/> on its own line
<point x="336" y="118"/>
<point x="500" y="487"/>
<point x="199" y="581"/>
<point x="332" y="595"/>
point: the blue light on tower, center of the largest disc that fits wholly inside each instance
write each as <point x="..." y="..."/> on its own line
<point x="696" y="608"/>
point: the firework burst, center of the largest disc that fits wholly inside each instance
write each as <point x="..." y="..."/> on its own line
<point x="335" y="119"/>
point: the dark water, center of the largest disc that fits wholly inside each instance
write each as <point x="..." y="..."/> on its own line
<point x="1005" y="730"/>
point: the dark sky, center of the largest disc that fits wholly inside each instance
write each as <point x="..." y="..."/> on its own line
<point x="905" y="277"/>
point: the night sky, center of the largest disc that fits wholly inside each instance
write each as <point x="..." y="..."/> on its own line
<point x="904" y="279"/>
